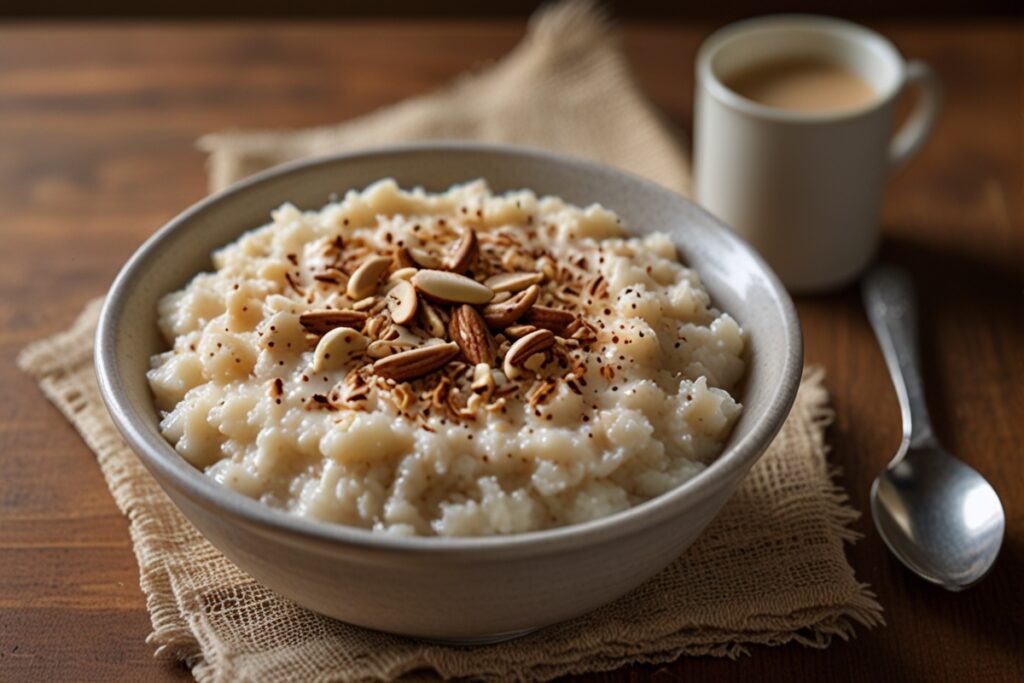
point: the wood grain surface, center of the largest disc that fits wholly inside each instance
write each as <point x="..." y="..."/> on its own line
<point x="97" y="130"/>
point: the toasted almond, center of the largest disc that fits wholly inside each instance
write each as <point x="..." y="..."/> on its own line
<point x="364" y="304"/>
<point x="451" y="288"/>
<point x="468" y="330"/>
<point x="415" y="362"/>
<point x="483" y="381"/>
<point x="554" y="319"/>
<point x="402" y="302"/>
<point x="403" y="274"/>
<point x="431" y="319"/>
<point x="524" y="348"/>
<point x="513" y="282"/>
<point x="514" y="259"/>
<point x="401" y="334"/>
<point x="547" y="266"/>
<point x="504" y="314"/>
<point x="463" y="253"/>
<point x="374" y="325"/>
<point x="517" y="331"/>
<point x="421" y="258"/>
<point x="382" y="348"/>
<point x="323" y="321"/>
<point x="336" y="348"/>
<point x="364" y="280"/>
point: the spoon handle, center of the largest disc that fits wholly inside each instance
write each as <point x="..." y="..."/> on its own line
<point x="892" y="309"/>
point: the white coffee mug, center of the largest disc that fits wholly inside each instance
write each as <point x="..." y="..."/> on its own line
<point x="805" y="188"/>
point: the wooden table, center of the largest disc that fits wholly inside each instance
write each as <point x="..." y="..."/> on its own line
<point x="97" y="124"/>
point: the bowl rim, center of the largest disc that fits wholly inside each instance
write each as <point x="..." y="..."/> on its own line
<point x="173" y="470"/>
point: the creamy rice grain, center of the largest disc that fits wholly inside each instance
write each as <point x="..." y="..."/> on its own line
<point x="628" y="398"/>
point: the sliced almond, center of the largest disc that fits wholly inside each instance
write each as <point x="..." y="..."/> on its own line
<point x="336" y="348"/>
<point x="403" y="274"/>
<point x="554" y="319"/>
<point x="402" y="302"/>
<point x="483" y="381"/>
<point x="415" y="362"/>
<point x="422" y="258"/>
<point x="365" y="304"/>
<point x="523" y="349"/>
<point x="517" y="331"/>
<point x="382" y="348"/>
<point x="514" y="259"/>
<point x="464" y="252"/>
<point x="374" y="325"/>
<point x="468" y="330"/>
<point x="431" y="319"/>
<point x="547" y="266"/>
<point x="364" y="280"/>
<point x="402" y="335"/>
<point x="323" y="321"/>
<point x="507" y="312"/>
<point x="513" y="282"/>
<point x="451" y="288"/>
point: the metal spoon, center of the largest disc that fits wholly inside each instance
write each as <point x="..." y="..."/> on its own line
<point x="940" y="517"/>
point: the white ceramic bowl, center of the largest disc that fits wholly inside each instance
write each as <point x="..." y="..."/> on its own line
<point x="451" y="589"/>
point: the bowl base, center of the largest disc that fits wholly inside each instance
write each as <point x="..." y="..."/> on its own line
<point x="480" y="640"/>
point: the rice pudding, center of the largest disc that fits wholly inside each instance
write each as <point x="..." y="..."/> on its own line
<point x="450" y="364"/>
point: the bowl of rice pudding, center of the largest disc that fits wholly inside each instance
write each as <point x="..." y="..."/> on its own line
<point x="452" y="391"/>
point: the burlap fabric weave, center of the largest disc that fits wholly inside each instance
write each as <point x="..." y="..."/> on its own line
<point x="769" y="570"/>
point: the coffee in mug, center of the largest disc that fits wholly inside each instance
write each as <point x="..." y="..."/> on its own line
<point x="802" y="84"/>
<point x="794" y="139"/>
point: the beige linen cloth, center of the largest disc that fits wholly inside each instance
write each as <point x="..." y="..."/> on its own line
<point x="769" y="570"/>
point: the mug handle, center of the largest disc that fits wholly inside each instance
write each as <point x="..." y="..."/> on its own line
<point x="915" y="131"/>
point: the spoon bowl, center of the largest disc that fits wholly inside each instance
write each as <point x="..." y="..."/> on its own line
<point x="938" y="516"/>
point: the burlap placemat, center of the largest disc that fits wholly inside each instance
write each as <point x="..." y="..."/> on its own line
<point x="769" y="570"/>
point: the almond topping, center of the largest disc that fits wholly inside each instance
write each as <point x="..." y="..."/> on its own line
<point x="554" y="319"/>
<point x="483" y="381"/>
<point x="468" y="330"/>
<point x="402" y="302"/>
<point x="463" y="253"/>
<point x="451" y="288"/>
<point x="336" y="348"/>
<point x="512" y="282"/>
<point x="507" y="312"/>
<point x="548" y="267"/>
<point x="517" y="331"/>
<point x="364" y="280"/>
<point x="323" y="321"/>
<point x="364" y="304"/>
<point x="421" y="258"/>
<point x="382" y="348"/>
<point x="403" y="274"/>
<point x="523" y="349"/>
<point x="415" y="362"/>
<point x="431" y="319"/>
